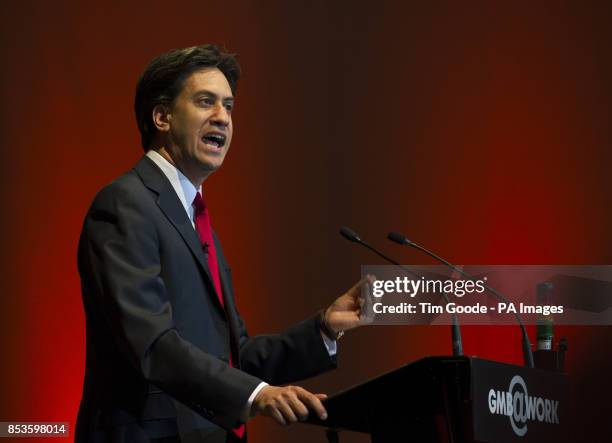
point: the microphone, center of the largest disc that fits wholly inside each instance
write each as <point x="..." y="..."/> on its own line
<point x="352" y="236"/>
<point x="457" y="342"/>
<point x="349" y="234"/>
<point x="402" y="240"/>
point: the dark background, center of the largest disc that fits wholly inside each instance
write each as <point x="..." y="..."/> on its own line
<point x="480" y="129"/>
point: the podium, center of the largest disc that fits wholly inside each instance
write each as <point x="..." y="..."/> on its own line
<point x="454" y="399"/>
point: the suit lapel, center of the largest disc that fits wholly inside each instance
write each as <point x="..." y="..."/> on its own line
<point x="173" y="209"/>
<point x="228" y="301"/>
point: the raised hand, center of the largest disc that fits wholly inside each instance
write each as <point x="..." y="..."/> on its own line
<point x="345" y="312"/>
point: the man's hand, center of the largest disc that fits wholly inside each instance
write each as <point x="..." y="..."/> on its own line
<point x="288" y="404"/>
<point x="345" y="312"/>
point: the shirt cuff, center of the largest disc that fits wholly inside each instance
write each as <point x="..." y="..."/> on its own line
<point x="247" y="412"/>
<point x="330" y="345"/>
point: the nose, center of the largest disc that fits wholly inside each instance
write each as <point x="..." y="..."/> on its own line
<point x="221" y="116"/>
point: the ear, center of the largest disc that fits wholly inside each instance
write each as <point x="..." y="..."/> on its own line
<point x="161" y="117"/>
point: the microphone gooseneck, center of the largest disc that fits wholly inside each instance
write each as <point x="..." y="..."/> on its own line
<point x="402" y="240"/>
<point x="457" y="342"/>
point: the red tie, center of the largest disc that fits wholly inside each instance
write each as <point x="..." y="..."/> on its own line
<point x="204" y="230"/>
<point x="202" y="225"/>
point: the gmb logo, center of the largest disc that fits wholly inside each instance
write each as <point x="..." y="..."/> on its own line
<point x="520" y="407"/>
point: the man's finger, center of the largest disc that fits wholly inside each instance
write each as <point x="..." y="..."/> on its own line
<point x="286" y="409"/>
<point x="276" y="415"/>
<point x="365" y="281"/>
<point x="298" y="407"/>
<point x="313" y="402"/>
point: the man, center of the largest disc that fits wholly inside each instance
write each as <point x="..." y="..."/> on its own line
<point x="168" y="356"/>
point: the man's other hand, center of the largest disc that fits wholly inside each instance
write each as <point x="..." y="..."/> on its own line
<point x="288" y="404"/>
<point x="345" y="312"/>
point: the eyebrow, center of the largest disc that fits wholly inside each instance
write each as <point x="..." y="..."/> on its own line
<point x="213" y="95"/>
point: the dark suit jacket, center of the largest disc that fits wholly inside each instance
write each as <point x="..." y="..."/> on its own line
<point x="158" y="339"/>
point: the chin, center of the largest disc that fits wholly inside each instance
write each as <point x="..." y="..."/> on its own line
<point x="211" y="166"/>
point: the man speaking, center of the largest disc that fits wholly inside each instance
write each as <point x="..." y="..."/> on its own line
<point x="168" y="356"/>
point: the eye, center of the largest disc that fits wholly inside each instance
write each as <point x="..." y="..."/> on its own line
<point x="206" y="101"/>
<point x="229" y="107"/>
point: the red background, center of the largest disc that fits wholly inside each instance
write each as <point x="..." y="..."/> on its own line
<point x="480" y="129"/>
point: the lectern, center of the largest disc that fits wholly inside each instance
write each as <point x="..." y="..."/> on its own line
<point x="454" y="399"/>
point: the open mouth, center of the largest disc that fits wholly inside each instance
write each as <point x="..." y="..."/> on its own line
<point x="214" y="139"/>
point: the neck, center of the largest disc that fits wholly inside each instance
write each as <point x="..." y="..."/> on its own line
<point x="196" y="178"/>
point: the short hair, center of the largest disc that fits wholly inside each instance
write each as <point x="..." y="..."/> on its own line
<point x="164" y="78"/>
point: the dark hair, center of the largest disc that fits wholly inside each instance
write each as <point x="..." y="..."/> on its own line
<point x="162" y="81"/>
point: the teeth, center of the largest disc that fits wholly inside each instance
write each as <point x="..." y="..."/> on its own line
<point x="214" y="139"/>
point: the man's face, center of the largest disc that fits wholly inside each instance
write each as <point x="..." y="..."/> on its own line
<point x="200" y="123"/>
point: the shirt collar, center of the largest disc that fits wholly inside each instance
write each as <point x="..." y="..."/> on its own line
<point x="183" y="187"/>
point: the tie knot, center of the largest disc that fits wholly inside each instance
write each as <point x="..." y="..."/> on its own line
<point x="198" y="203"/>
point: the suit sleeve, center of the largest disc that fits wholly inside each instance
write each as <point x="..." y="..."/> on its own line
<point x="119" y="262"/>
<point x="295" y="354"/>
